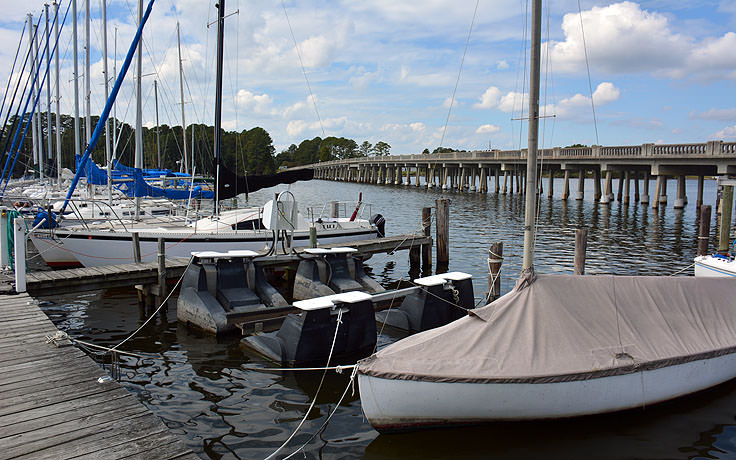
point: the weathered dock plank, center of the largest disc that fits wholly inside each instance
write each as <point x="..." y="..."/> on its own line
<point x="52" y="405"/>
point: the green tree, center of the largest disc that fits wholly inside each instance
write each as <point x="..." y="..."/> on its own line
<point x="381" y="149"/>
<point x="425" y="152"/>
<point x="365" y="149"/>
<point x="443" y="150"/>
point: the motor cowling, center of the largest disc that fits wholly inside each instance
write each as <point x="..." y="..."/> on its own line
<point x="380" y="222"/>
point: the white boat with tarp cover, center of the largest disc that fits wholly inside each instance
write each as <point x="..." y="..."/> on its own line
<point x="558" y="346"/>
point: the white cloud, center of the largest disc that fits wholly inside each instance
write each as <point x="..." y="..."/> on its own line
<point x="489" y="99"/>
<point x="316" y="51"/>
<point x="487" y="129"/>
<point x="624" y="38"/>
<point x="729" y="132"/>
<point x="605" y="93"/>
<point x="258" y="103"/>
<point x="715" y="114"/>
<point x="502" y="64"/>
<point x="513" y="101"/>
<point x="296" y="127"/>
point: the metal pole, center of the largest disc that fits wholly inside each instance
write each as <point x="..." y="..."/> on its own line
<point x="181" y="92"/>
<point x="87" y="91"/>
<point x="19" y="229"/>
<point x="218" y="97"/>
<point x="49" y="140"/>
<point x="158" y="141"/>
<point x="58" y="100"/>
<point x="77" y="151"/>
<point x="34" y="128"/>
<point x="139" y="110"/>
<point x="108" y="153"/>
<point x="531" y="162"/>
<point x="36" y="90"/>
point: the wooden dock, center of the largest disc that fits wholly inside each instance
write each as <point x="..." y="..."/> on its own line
<point x="127" y="275"/>
<point x="52" y="405"/>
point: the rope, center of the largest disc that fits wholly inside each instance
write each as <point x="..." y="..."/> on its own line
<point x="587" y="66"/>
<point x="319" y="387"/>
<point x="686" y="268"/>
<point x="462" y="61"/>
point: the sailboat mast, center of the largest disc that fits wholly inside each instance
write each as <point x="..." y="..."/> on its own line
<point x="49" y="139"/>
<point x="139" y="110"/>
<point x="181" y="92"/>
<point x="58" y="99"/>
<point x="108" y="154"/>
<point x="37" y="91"/>
<point x="158" y="140"/>
<point x="218" y="98"/>
<point x="77" y="152"/>
<point x="87" y="90"/>
<point x="531" y="161"/>
<point x="31" y="29"/>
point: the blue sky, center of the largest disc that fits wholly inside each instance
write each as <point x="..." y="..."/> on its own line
<point x="661" y="72"/>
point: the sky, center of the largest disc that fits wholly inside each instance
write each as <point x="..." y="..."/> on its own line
<point x="415" y="74"/>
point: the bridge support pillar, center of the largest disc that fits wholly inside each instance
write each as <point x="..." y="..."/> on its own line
<point x="417" y="175"/>
<point x="581" y="185"/>
<point x="627" y="187"/>
<point x="620" y="193"/>
<point x="505" y="183"/>
<point x="699" y="201"/>
<point x="472" y="174"/>
<point x="657" y="192"/>
<point x="645" y="196"/>
<point x="498" y="181"/>
<point x="551" y="183"/>
<point x="606" y="198"/>
<point x="483" y="180"/>
<point x="596" y="185"/>
<point x="681" y="199"/>
<point x="566" y="185"/>
<point x="663" y="195"/>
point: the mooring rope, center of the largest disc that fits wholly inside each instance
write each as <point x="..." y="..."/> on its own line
<point x="319" y="387"/>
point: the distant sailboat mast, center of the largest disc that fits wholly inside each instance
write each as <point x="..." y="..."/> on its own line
<point x="181" y="92"/>
<point x="77" y="151"/>
<point x="34" y="128"/>
<point x="58" y="100"/>
<point x="49" y="139"/>
<point x="139" y="110"/>
<point x="218" y="99"/>
<point x="108" y="154"/>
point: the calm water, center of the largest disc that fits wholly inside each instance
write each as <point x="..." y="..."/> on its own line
<point x="209" y="391"/>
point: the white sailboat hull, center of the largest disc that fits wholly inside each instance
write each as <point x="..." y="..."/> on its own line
<point x="714" y="266"/>
<point x="391" y="404"/>
<point x="92" y="249"/>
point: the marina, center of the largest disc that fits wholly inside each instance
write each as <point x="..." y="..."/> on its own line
<point x="235" y="302"/>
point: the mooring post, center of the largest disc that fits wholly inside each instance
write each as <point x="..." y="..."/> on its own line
<point x="725" y="226"/>
<point x="704" y="232"/>
<point x="161" y="270"/>
<point x="19" y="239"/>
<point x="312" y="237"/>
<point x="495" y="259"/>
<point x="4" y="259"/>
<point x="136" y="248"/>
<point x="426" y="227"/>
<point x="581" y="246"/>
<point x="442" y="219"/>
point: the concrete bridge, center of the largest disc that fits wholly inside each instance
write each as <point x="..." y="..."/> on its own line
<point x="474" y="171"/>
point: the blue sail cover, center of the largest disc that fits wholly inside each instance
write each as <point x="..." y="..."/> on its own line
<point x="139" y="187"/>
<point x="149" y="172"/>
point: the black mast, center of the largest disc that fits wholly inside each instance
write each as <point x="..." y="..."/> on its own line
<point x="218" y="98"/>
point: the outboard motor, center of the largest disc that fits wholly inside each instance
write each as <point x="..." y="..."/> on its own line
<point x="434" y="305"/>
<point x="327" y="271"/>
<point x="380" y="223"/>
<point x="306" y="338"/>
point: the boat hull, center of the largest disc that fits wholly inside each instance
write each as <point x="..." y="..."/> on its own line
<point x="714" y="266"/>
<point x="95" y="248"/>
<point x="395" y="405"/>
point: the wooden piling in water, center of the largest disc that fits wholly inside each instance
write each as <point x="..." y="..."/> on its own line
<point x="161" y="271"/>
<point x="442" y="222"/>
<point x="495" y="259"/>
<point x="704" y="231"/>
<point x="725" y="225"/>
<point x="136" y="247"/>
<point x="426" y="228"/>
<point x="581" y="246"/>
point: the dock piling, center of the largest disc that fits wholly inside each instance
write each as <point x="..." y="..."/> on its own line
<point x="19" y="239"/>
<point x="725" y="226"/>
<point x="495" y="259"/>
<point x="161" y="271"/>
<point x="442" y="219"/>
<point x="4" y="224"/>
<point x="426" y="228"/>
<point x="581" y="246"/>
<point x="704" y="231"/>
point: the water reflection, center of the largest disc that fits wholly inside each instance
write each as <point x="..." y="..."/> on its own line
<point x="210" y="391"/>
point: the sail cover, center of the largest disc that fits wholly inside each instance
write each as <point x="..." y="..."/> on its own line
<point x="563" y="328"/>
<point x="231" y="185"/>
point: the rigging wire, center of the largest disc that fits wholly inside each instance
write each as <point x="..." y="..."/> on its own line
<point x="587" y="66"/>
<point x="12" y="70"/>
<point x="301" y="63"/>
<point x="460" y="71"/>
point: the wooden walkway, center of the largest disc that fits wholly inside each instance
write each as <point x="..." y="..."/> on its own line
<point x="53" y="407"/>
<point x="127" y="275"/>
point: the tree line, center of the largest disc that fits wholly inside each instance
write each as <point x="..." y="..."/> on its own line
<point x="249" y="151"/>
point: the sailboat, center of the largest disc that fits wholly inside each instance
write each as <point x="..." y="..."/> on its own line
<point x="109" y="241"/>
<point x="556" y="346"/>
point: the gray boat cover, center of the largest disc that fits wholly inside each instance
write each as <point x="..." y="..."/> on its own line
<point x="556" y="328"/>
